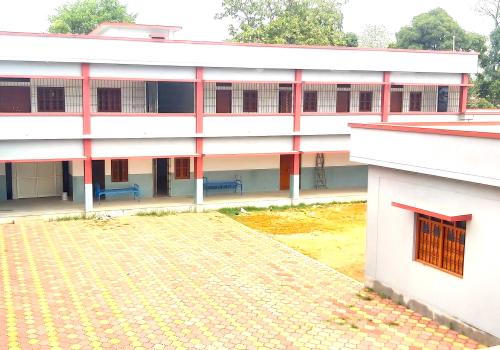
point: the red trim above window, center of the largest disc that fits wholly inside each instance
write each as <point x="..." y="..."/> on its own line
<point x="452" y="218"/>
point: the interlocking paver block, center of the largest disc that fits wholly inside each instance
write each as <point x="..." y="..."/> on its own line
<point x="187" y="281"/>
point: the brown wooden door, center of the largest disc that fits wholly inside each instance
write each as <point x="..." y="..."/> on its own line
<point x="343" y="101"/>
<point x="285" y="171"/>
<point x="396" y="101"/>
<point x="15" y="99"/>
<point x="99" y="174"/>
<point x="223" y="101"/>
<point x="285" y="101"/>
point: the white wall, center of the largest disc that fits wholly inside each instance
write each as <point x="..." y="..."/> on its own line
<point x="142" y="72"/>
<point x="331" y="159"/>
<point x="120" y="127"/>
<point x="324" y="143"/>
<point x="76" y="168"/>
<point x="123" y="148"/>
<point x="333" y="124"/>
<point x="240" y="74"/>
<point x="40" y="127"/>
<point x="135" y="166"/>
<point x="247" y="125"/>
<point x="247" y="145"/>
<point x="342" y="76"/>
<point x="390" y="245"/>
<point x="426" y="78"/>
<point x="179" y="53"/>
<point x="41" y="149"/>
<point x="50" y="69"/>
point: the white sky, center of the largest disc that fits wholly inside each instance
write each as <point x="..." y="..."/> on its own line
<point x="197" y="16"/>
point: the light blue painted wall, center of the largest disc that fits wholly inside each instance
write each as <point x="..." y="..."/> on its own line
<point x="3" y="188"/>
<point x="145" y="182"/>
<point x="253" y="180"/>
<point x="78" y="189"/>
<point x="182" y="188"/>
<point x="337" y="177"/>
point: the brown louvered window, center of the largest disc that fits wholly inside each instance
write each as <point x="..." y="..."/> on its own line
<point x="50" y="99"/>
<point x="365" y="101"/>
<point x="182" y="168"/>
<point x="109" y="100"/>
<point x="310" y="101"/>
<point x="285" y="97"/>
<point x="119" y="170"/>
<point x="415" y="101"/>
<point x="250" y="98"/>
<point x="440" y="243"/>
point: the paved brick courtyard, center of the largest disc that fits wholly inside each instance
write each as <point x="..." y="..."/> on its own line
<point x="187" y="281"/>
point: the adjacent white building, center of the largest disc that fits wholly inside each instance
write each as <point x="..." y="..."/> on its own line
<point x="433" y="210"/>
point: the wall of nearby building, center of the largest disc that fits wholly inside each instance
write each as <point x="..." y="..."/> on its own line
<point x="140" y="172"/>
<point x="472" y="299"/>
<point x="77" y="184"/>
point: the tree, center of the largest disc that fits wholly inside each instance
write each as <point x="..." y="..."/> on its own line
<point x="376" y="36"/>
<point x="83" y="16"/>
<point x="437" y="30"/>
<point x="490" y="8"/>
<point x="308" y="22"/>
<point x="488" y="81"/>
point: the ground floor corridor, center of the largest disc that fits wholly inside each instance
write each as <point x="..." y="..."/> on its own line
<point x="187" y="281"/>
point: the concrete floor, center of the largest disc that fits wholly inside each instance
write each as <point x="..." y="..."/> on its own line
<point x="188" y="281"/>
<point x="55" y="207"/>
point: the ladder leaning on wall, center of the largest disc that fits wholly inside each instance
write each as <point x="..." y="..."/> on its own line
<point x="319" y="171"/>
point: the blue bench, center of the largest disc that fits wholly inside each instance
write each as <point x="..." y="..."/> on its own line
<point x="222" y="185"/>
<point x="116" y="191"/>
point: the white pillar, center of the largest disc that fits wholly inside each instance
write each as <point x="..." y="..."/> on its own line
<point x="198" y="196"/>
<point x="294" y="187"/>
<point x="89" y="198"/>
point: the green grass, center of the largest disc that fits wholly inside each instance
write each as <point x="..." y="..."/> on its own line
<point x="156" y="213"/>
<point x="74" y="217"/>
<point x="233" y="211"/>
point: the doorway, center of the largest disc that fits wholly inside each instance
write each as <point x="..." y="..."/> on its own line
<point x="162" y="183"/>
<point x="286" y="163"/>
<point x="99" y="174"/>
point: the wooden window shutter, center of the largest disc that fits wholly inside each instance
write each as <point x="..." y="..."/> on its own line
<point x="109" y="100"/>
<point x="182" y="168"/>
<point x="365" y="101"/>
<point x="119" y="170"/>
<point x="250" y="101"/>
<point x="310" y="101"/>
<point x="415" y="101"/>
<point x="50" y="99"/>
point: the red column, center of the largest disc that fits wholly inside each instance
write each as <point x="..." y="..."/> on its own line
<point x="87" y="163"/>
<point x="386" y="96"/>
<point x="297" y="108"/>
<point x="464" y="93"/>
<point x="86" y="98"/>
<point x="198" y="161"/>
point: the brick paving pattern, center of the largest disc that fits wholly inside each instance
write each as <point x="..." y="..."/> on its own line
<point x="187" y="281"/>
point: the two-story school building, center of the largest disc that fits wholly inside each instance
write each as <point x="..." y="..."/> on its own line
<point x="128" y="105"/>
<point x="433" y="208"/>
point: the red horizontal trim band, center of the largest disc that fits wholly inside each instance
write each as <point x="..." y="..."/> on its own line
<point x="463" y="217"/>
<point x="42" y="76"/>
<point x="118" y="114"/>
<point x="247" y="154"/>
<point x="424" y="113"/>
<point x="148" y="157"/>
<point x="343" y="82"/>
<point x="249" y="115"/>
<point x="428" y="84"/>
<point x="38" y="160"/>
<point x="251" y="81"/>
<point x="42" y="114"/>
<point x="227" y="43"/>
<point x="327" y="152"/>
<point x="305" y="114"/>
<point x="428" y="130"/>
<point x="93" y="78"/>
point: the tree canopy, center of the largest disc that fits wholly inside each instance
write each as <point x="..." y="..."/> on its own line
<point x="437" y="30"/>
<point x="307" y="22"/>
<point x="83" y="16"/>
<point x="375" y="36"/>
<point x="490" y="8"/>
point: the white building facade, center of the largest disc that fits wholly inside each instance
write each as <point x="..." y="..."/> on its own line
<point x="433" y="204"/>
<point x="128" y="105"/>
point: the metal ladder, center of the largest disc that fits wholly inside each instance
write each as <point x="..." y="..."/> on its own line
<point x="319" y="171"/>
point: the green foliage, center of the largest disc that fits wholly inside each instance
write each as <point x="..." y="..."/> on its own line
<point x="83" y="16"/>
<point x="375" y="36"/>
<point x="434" y="30"/>
<point x="487" y="84"/>
<point x="306" y="22"/>
<point x="155" y="213"/>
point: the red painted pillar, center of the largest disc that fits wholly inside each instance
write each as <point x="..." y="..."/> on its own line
<point x="386" y="96"/>
<point x="464" y="89"/>
<point x="198" y="160"/>
<point x="297" y="111"/>
<point x="87" y="143"/>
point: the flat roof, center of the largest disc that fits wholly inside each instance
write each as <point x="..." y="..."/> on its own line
<point x="489" y="130"/>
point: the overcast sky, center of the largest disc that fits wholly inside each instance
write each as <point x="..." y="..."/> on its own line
<point x="197" y="16"/>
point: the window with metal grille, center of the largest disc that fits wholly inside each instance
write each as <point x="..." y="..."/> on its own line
<point x="182" y="168"/>
<point x="50" y="99"/>
<point x="119" y="170"/>
<point x="415" y="101"/>
<point x="310" y="103"/>
<point x="365" y="101"/>
<point x="440" y="243"/>
<point x="250" y="98"/>
<point x="109" y="100"/>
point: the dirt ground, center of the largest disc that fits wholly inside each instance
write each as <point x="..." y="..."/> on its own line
<point x="333" y="234"/>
